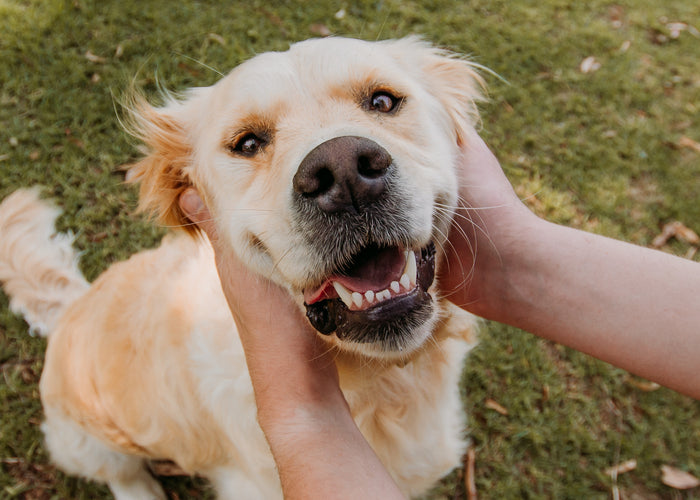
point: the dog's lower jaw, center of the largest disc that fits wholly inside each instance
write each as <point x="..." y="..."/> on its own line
<point x="393" y="326"/>
<point x="398" y="350"/>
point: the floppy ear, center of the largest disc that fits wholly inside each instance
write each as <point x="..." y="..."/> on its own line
<point x="454" y="81"/>
<point x="162" y="172"/>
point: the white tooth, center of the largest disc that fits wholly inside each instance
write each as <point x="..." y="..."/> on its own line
<point x="386" y="294"/>
<point x="395" y="286"/>
<point x="411" y="267"/>
<point x="405" y="281"/>
<point x="380" y="296"/>
<point x="344" y="294"/>
<point x="357" y="298"/>
<point x="369" y="295"/>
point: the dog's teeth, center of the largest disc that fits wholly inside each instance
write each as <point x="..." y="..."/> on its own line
<point x="395" y="286"/>
<point x="384" y="295"/>
<point x="344" y="294"/>
<point x="411" y="269"/>
<point x="369" y="295"/>
<point x="357" y="299"/>
<point x="405" y="281"/>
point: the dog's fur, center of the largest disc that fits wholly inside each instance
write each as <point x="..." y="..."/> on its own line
<point x="145" y="363"/>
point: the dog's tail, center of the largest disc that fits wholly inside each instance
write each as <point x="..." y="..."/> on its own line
<point x="38" y="267"/>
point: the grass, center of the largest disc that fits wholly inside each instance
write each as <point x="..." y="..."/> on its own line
<point x="600" y="151"/>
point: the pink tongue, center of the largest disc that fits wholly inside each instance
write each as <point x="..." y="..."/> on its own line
<point x="373" y="269"/>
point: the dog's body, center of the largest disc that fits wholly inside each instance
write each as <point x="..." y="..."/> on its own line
<point x="146" y="363"/>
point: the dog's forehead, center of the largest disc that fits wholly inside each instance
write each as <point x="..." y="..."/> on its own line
<point x="312" y="67"/>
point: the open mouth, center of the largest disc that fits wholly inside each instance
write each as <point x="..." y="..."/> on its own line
<point x="380" y="290"/>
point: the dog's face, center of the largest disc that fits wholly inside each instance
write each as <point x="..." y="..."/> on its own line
<point x="330" y="169"/>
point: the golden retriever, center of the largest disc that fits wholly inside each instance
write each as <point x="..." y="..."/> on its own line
<point x="330" y="169"/>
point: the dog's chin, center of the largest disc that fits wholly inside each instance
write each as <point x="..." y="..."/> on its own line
<point x="390" y="327"/>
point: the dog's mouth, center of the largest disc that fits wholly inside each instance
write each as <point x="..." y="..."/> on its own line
<point x="382" y="292"/>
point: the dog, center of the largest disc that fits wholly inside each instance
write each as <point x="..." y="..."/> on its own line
<point x="330" y="169"/>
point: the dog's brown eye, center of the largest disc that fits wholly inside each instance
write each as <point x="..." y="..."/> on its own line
<point x="384" y="102"/>
<point x="248" y="145"/>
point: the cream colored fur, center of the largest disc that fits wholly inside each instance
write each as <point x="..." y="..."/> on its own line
<point x="146" y="363"/>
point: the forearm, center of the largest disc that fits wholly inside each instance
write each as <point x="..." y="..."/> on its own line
<point x="320" y="453"/>
<point x="636" y="308"/>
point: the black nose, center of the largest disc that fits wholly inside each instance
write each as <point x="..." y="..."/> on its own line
<point x="343" y="174"/>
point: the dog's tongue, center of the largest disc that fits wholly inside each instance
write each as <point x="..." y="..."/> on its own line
<point x="373" y="269"/>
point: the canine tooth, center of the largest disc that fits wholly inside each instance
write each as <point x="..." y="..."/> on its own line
<point x="405" y="281"/>
<point x="395" y="286"/>
<point x="357" y="298"/>
<point x="369" y="295"/>
<point x="344" y="294"/>
<point x="411" y="269"/>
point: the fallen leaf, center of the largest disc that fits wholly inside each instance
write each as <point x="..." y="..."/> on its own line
<point x="320" y="29"/>
<point x="687" y="142"/>
<point x="678" y="230"/>
<point x="589" y="65"/>
<point x="616" y="13"/>
<point x="675" y="29"/>
<point x="678" y="479"/>
<point x="493" y="405"/>
<point x="621" y="468"/>
<point x="643" y="385"/>
<point x="469" y="481"/>
<point x="94" y="58"/>
<point x="217" y="38"/>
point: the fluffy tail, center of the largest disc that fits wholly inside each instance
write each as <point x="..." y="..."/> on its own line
<point x="38" y="267"/>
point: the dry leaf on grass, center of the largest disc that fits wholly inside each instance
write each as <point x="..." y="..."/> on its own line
<point x="621" y="468"/>
<point x="687" y="142"/>
<point x="320" y="29"/>
<point x="678" y="479"/>
<point x="493" y="405"/>
<point x="643" y="385"/>
<point x="94" y="58"/>
<point x="589" y="65"/>
<point x="469" y="474"/>
<point x="678" y="230"/>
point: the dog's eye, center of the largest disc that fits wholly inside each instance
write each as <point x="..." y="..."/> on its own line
<point x="383" y="102"/>
<point x="248" y="145"/>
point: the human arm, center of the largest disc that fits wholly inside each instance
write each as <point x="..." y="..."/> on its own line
<point x="318" y="449"/>
<point x="636" y="308"/>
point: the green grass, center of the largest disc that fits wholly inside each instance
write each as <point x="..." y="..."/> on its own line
<point x="597" y="151"/>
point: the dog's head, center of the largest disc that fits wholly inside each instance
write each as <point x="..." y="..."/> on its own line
<point x="330" y="169"/>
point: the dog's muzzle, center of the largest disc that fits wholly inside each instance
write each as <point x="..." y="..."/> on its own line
<point x="376" y="287"/>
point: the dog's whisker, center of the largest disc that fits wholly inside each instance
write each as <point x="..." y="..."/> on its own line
<point x="204" y="65"/>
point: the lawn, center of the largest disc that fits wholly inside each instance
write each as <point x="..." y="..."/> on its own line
<point x="595" y="116"/>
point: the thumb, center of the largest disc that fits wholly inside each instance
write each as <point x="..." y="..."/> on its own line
<point x="194" y="208"/>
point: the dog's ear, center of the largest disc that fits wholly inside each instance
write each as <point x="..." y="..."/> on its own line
<point x="162" y="173"/>
<point x="454" y="81"/>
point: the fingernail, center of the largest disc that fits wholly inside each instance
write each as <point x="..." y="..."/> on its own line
<point x="191" y="203"/>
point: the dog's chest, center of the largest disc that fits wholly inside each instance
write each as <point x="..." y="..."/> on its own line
<point x="413" y="416"/>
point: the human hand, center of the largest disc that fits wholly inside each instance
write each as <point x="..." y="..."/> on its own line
<point x="490" y="223"/>
<point x="290" y="367"/>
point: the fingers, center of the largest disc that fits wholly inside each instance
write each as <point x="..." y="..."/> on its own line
<point x="194" y="208"/>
